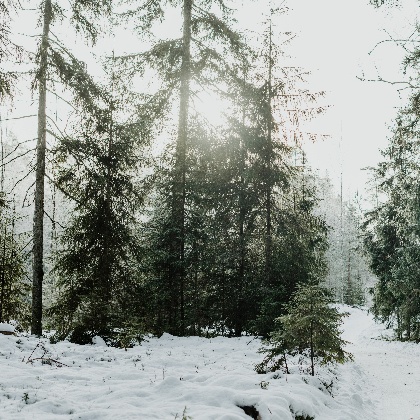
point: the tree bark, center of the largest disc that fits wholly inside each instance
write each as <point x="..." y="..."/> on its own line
<point x="269" y="151"/>
<point x="312" y="343"/>
<point x="3" y="275"/>
<point x="242" y="212"/>
<point x="179" y="187"/>
<point x="38" y="221"/>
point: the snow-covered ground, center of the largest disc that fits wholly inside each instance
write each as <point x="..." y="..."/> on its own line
<point x="392" y="367"/>
<point x="198" y="378"/>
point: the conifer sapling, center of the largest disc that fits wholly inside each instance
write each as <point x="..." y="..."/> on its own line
<point x="310" y="329"/>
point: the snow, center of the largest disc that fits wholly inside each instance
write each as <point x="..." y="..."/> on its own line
<point x="7" y="327"/>
<point x="98" y="341"/>
<point x="392" y="367"/>
<point x="199" y="378"/>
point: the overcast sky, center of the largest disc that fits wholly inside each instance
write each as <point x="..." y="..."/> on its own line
<point x="335" y="42"/>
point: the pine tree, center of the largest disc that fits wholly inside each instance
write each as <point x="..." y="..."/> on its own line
<point x="97" y="264"/>
<point x="392" y="228"/>
<point x="203" y="56"/>
<point x="310" y="329"/>
<point x="282" y="104"/>
<point x="54" y="57"/>
<point x="392" y="231"/>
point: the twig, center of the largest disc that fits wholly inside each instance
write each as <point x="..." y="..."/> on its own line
<point x="17" y="146"/>
<point x="18" y="118"/>
<point x="18" y="156"/>
<point x="249" y="342"/>
<point x="54" y="221"/>
<point x="21" y="179"/>
<point x="26" y="193"/>
<point x="47" y="360"/>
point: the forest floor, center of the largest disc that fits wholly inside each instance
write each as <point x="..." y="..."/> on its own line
<point x="392" y="368"/>
<point x="198" y="378"/>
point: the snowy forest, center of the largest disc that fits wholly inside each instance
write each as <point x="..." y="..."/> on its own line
<point x="157" y="199"/>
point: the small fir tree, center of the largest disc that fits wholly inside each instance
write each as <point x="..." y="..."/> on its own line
<point x="310" y="329"/>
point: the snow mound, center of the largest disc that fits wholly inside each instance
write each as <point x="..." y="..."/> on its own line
<point x="98" y="341"/>
<point x="6" y="328"/>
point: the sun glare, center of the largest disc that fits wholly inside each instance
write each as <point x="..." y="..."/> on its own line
<point x="212" y="107"/>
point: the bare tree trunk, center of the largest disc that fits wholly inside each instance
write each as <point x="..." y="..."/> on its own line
<point x="38" y="222"/>
<point x="241" y="272"/>
<point x="312" y="344"/>
<point x="269" y="157"/>
<point x="3" y="262"/>
<point x="3" y="275"/>
<point x="178" y="206"/>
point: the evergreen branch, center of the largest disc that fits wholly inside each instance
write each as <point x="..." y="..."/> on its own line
<point x="219" y="30"/>
<point x="380" y="79"/>
<point x="164" y="57"/>
<point x="63" y="135"/>
<point x="64" y="100"/>
<point x="65" y="192"/>
<point x="27" y="243"/>
<point x="147" y="13"/>
<point x="54" y="134"/>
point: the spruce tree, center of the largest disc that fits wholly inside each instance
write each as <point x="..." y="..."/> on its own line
<point x="349" y="275"/>
<point x="299" y="247"/>
<point x="97" y="263"/>
<point x="228" y="199"/>
<point x="392" y="227"/>
<point x="285" y="204"/>
<point x="203" y="56"/>
<point x="392" y="231"/>
<point x="53" y="57"/>
<point x="310" y="328"/>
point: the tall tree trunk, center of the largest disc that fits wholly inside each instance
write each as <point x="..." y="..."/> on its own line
<point x="106" y="286"/>
<point x="239" y="318"/>
<point x="269" y="157"/>
<point x="312" y="343"/>
<point x="3" y="275"/>
<point x="178" y="206"/>
<point x="38" y="222"/>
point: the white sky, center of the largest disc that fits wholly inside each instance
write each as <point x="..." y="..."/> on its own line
<point x="334" y="41"/>
<point x="334" y="38"/>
